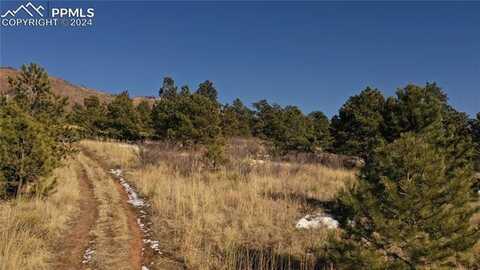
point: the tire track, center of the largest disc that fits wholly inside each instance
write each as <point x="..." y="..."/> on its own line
<point x="71" y="249"/>
<point x="135" y="239"/>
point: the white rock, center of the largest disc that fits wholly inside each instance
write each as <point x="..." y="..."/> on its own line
<point x="317" y="221"/>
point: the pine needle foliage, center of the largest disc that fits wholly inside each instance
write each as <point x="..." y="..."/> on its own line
<point x="410" y="209"/>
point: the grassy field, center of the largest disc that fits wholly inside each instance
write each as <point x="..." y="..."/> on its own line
<point x="239" y="217"/>
<point x="29" y="229"/>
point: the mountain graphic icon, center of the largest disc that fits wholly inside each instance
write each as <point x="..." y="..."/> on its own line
<point x="29" y="9"/>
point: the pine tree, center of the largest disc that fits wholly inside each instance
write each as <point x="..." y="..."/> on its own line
<point x="187" y="119"/>
<point x="34" y="135"/>
<point x="208" y="90"/>
<point x="413" y="109"/>
<point x="168" y="89"/>
<point x="475" y="129"/>
<point x="144" y="112"/>
<point x="321" y="124"/>
<point x="287" y="128"/>
<point x="357" y="128"/>
<point x="91" y="118"/>
<point x="411" y="207"/>
<point x="237" y="119"/>
<point x="122" y="118"/>
<point x="27" y="151"/>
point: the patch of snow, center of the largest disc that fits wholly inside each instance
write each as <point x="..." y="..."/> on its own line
<point x="144" y="268"/>
<point x="133" y="197"/>
<point x="116" y="172"/>
<point x="87" y="257"/>
<point x="140" y="204"/>
<point x="315" y="221"/>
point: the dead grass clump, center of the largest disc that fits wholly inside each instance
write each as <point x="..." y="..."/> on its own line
<point x="29" y="228"/>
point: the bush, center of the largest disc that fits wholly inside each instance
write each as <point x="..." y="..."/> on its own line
<point x="215" y="154"/>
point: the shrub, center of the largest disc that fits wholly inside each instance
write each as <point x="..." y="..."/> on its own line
<point x="215" y="154"/>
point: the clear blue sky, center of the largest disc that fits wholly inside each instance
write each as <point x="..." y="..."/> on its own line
<point x="311" y="54"/>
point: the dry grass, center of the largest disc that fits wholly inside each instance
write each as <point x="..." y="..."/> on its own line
<point x="216" y="217"/>
<point x="116" y="154"/>
<point x="29" y="227"/>
<point x="239" y="217"/>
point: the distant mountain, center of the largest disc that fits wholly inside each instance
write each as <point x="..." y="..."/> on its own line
<point x="75" y="93"/>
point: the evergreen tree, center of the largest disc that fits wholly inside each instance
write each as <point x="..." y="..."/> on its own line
<point x="187" y="118"/>
<point x="237" y="119"/>
<point x="413" y="109"/>
<point x="475" y="129"/>
<point x="91" y="117"/>
<point x="32" y="93"/>
<point x="321" y="124"/>
<point x="185" y="91"/>
<point x="123" y="122"/>
<point x="410" y="209"/>
<point x="266" y="120"/>
<point x="168" y="89"/>
<point x="357" y="128"/>
<point x="144" y="112"/>
<point x="288" y="128"/>
<point x="27" y="151"/>
<point x="208" y="90"/>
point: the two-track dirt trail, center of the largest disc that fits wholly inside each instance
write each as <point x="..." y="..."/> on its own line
<point x="105" y="234"/>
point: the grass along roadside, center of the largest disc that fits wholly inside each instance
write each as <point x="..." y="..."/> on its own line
<point x="242" y="217"/>
<point x="30" y="228"/>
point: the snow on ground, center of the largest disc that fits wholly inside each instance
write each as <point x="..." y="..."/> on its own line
<point x="141" y="205"/>
<point x="318" y="220"/>
<point x="89" y="253"/>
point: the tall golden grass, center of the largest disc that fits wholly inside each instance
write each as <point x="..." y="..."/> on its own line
<point x="29" y="227"/>
<point x="240" y="217"/>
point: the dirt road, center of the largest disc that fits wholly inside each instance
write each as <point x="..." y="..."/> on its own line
<point x="104" y="234"/>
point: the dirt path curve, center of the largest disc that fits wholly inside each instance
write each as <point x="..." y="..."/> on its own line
<point x="71" y="249"/>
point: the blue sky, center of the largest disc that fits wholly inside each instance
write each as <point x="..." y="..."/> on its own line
<point x="311" y="54"/>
